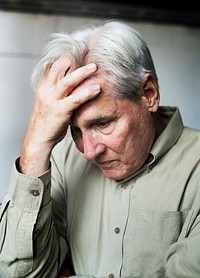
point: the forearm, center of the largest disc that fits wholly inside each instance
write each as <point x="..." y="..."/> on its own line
<point x="34" y="160"/>
<point x="36" y="150"/>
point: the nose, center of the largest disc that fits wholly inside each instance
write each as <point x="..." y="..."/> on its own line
<point x="92" y="146"/>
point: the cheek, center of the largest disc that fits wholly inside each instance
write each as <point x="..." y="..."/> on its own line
<point x="129" y="141"/>
<point x="118" y="142"/>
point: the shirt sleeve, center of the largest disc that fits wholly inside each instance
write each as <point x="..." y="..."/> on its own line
<point x="29" y="244"/>
<point x="182" y="259"/>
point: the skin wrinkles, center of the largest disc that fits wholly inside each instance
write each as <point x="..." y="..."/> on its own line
<point x="115" y="133"/>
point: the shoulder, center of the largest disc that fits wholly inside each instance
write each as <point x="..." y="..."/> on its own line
<point x="188" y="145"/>
<point x="68" y="159"/>
<point x="190" y="136"/>
<point x="71" y="164"/>
<point x="66" y="149"/>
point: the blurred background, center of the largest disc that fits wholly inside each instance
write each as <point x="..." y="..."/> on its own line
<point x="171" y="31"/>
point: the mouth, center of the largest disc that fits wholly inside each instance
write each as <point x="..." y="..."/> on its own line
<point x="105" y="164"/>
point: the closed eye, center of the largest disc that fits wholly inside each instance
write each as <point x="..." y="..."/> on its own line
<point x="75" y="131"/>
<point x="103" y="124"/>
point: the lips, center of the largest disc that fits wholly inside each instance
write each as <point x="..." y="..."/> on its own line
<point x="105" y="164"/>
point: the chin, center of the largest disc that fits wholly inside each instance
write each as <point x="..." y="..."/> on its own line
<point x="115" y="174"/>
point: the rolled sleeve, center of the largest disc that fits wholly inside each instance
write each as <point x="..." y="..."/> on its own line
<point x="26" y="198"/>
<point x="29" y="193"/>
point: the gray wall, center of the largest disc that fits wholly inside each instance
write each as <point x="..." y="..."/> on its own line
<point x="175" y="49"/>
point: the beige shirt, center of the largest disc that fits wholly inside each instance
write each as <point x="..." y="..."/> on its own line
<point x="147" y="225"/>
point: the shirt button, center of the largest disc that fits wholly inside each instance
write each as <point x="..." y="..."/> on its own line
<point x="117" y="230"/>
<point x="111" y="275"/>
<point x="35" y="192"/>
<point x="124" y="185"/>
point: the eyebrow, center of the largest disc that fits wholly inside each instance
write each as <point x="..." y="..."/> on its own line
<point x="97" y="120"/>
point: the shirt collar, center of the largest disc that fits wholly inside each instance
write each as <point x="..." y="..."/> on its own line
<point x="170" y="134"/>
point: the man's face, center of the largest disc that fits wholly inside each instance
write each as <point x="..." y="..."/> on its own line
<point x="116" y="134"/>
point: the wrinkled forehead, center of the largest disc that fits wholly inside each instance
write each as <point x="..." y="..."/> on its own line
<point x="105" y="103"/>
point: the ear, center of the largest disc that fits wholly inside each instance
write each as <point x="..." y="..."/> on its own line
<point x="150" y="92"/>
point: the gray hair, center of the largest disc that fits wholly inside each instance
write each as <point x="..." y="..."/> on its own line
<point x="118" y="50"/>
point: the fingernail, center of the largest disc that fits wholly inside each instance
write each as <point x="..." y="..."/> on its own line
<point x="95" y="88"/>
<point x="91" y="67"/>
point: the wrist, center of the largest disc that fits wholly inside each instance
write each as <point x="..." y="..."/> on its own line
<point x="34" y="160"/>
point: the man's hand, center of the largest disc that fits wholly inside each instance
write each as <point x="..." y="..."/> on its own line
<point x="54" y="104"/>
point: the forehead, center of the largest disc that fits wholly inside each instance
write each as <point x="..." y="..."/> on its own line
<point x="106" y="105"/>
<point x="107" y="94"/>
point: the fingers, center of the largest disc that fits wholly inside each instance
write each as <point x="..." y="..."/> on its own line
<point x="57" y="70"/>
<point x="65" y="86"/>
<point x="57" y="85"/>
<point x="55" y="76"/>
<point x="75" y="100"/>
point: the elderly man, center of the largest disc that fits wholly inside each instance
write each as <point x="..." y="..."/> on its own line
<point x="120" y="196"/>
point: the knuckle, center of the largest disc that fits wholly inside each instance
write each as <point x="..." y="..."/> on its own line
<point x="63" y="63"/>
<point x="76" y="99"/>
<point x="55" y="65"/>
<point x="66" y="84"/>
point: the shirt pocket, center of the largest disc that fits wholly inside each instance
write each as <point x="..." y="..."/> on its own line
<point x="148" y="235"/>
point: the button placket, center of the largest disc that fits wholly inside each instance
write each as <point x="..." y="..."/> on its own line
<point x="124" y="185"/>
<point x="119" y="205"/>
